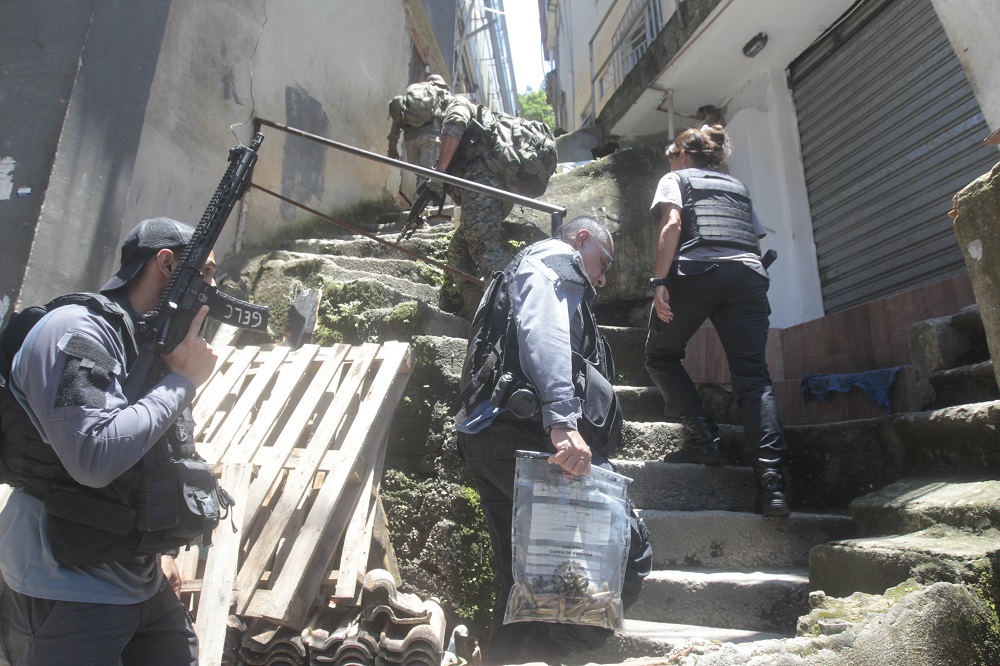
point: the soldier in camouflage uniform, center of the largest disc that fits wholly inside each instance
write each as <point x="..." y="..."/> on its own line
<point x="478" y="246"/>
<point x="421" y="144"/>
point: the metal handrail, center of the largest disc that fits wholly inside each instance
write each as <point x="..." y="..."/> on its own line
<point x="556" y="212"/>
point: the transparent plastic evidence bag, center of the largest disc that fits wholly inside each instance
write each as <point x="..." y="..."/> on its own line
<point x="570" y="539"/>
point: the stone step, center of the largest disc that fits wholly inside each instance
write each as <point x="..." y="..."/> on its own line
<point x="658" y="639"/>
<point x="651" y="440"/>
<point x="645" y="403"/>
<point x="766" y="600"/>
<point x="628" y="345"/>
<point x="737" y="540"/>
<point x="966" y="384"/>
<point x="391" y="268"/>
<point x="411" y="318"/>
<point x="435" y="227"/>
<point x="914" y="504"/>
<point x="413" y="285"/>
<point x="828" y="464"/>
<point x="948" y="342"/>
<point x="426" y="244"/>
<point x="640" y="403"/>
<point x="663" y="486"/>
<point x="432" y="213"/>
<point x="874" y="564"/>
<point x="963" y="437"/>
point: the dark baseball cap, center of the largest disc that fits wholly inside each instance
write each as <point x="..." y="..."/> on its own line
<point x="143" y="242"/>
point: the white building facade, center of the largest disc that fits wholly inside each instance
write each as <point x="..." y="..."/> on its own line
<point x="853" y="122"/>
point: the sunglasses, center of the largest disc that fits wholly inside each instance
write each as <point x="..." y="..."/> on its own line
<point x="605" y="267"/>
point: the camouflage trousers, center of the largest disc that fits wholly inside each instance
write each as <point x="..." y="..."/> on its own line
<point x="478" y="246"/>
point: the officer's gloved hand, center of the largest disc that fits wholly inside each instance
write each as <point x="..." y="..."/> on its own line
<point x="438" y="191"/>
<point x="437" y="188"/>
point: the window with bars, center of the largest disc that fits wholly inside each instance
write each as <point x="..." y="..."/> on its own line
<point x="636" y="31"/>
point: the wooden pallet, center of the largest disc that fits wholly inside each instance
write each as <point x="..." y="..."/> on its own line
<point x="298" y="439"/>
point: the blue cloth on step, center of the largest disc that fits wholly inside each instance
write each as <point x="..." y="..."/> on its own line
<point x="877" y="384"/>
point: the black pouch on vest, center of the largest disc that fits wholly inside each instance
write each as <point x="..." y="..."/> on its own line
<point x="84" y="530"/>
<point x="183" y="504"/>
<point x="602" y="415"/>
<point x="203" y="501"/>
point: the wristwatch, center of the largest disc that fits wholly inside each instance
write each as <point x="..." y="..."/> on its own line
<point x="658" y="282"/>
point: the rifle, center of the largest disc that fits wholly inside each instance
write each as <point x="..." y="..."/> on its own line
<point x="162" y="329"/>
<point x="416" y="219"/>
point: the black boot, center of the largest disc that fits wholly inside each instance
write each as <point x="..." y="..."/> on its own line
<point x="702" y="445"/>
<point x="771" y="500"/>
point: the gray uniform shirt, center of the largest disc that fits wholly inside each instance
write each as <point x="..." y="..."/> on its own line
<point x="550" y="327"/>
<point x="546" y="294"/>
<point x="95" y="442"/>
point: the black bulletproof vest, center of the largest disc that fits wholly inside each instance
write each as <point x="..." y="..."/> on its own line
<point x="717" y="211"/>
<point x="140" y="512"/>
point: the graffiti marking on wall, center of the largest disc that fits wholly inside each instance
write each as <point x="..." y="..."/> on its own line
<point x="7" y="166"/>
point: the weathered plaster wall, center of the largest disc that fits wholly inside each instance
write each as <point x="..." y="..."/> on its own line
<point x="129" y="130"/>
<point x="971" y="26"/>
<point x="83" y="75"/>
<point x="326" y="68"/>
<point x="767" y="157"/>
<point x="40" y="45"/>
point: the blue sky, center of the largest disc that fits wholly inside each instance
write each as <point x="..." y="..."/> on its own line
<point x="525" y="43"/>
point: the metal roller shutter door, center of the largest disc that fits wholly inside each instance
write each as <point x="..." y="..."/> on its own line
<point x="890" y="131"/>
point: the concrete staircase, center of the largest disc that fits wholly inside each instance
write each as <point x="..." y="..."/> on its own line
<point x="721" y="572"/>
<point x="872" y="500"/>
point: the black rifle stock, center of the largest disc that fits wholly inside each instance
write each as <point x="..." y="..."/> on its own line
<point x="161" y="330"/>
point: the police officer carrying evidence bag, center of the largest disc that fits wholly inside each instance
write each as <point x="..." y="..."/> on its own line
<point x="537" y="377"/>
<point x="100" y="483"/>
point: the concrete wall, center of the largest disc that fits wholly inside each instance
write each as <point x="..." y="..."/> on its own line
<point x="129" y="130"/>
<point x="80" y="76"/>
<point x="971" y="26"/>
<point x="577" y="23"/>
<point x="40" y="45"/>
<point x="326" y="68"/>
<point x="767" y="157"/>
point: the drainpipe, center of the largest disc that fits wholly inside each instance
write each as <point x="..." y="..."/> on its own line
<point x="593" y="96"/>
<point x="670" y="114"/>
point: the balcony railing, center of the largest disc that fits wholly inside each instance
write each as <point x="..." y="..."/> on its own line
<point x="634" y="32"/>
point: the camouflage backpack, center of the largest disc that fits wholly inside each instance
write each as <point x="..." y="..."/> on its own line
<point x="521" y="152"/>
<point x="418" y="105"/>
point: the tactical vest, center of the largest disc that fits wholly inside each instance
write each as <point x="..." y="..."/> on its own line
<point x="492" y="368"/>
<point x="167" y="500"/>
<point x="717" y="211"/>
